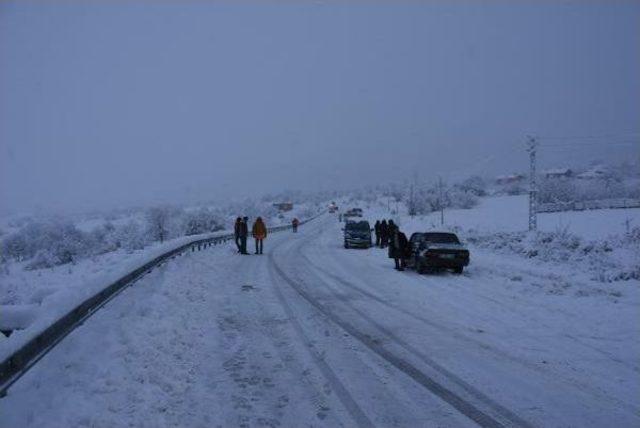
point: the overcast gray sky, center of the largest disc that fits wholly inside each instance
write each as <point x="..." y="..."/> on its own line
<point x="110" y="103"/>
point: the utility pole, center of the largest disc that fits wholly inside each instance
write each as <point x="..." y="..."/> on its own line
<point x="412" y="201"/>
<point x="441" y="202"/>
<point x="532" y="143"/>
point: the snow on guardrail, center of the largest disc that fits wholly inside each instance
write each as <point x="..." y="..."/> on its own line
<point x="28" y="346"/>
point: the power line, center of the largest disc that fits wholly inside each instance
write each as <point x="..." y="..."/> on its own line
<point x="619" y="143"/>
<point x="592" y="137"/>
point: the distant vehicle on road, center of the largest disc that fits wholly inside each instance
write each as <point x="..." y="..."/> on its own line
<point x="437" y="250"/>
<point x="353" y="212"/>
<point x="357" y="234"/>
<point x="333" y="207"/>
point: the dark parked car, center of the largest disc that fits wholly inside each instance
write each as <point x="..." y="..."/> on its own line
<point x="437" y="250"/>
<point x="357" y="234"/>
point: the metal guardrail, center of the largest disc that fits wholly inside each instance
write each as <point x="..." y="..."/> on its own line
<point x="18" y="363"/>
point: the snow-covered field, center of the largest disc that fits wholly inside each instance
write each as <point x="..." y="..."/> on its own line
<point x="601" y="244"/>
<point x="311" y="334"/>
<point x="510" y="214"/>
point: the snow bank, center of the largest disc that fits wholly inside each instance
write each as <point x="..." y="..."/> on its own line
<point x="16" y="316"/>
<point x="607" y="260"/>
<point x="64" y="292"/>
<point x="605" y="244"/>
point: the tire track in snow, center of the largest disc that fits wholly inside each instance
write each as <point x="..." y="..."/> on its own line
<point x="453" y="333"/>
<point x="579" y="385"/>
<point x="361" y="419"/>
<point x="450" y="397"/>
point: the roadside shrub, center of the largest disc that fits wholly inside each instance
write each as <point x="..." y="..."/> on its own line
<point x="201" y="221"/>
<point x="131" y="236"/>
<point x="474" y="185"/>
<point x="605" y="259"/>
<point x="49" y="243"/>
<point x="459" y="198"/>
<point x="555" y="190"/>
<point x="161" y="222"/>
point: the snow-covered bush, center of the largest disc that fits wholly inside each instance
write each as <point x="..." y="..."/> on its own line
<point x="564" y="190"/>
<point x="201" y="221"/>
<point x="47" y="244"/>
<point x="553" y="190"/>
<point x="514" y="189"/>
<point x="425" y="198"/>
<point x="16" y="247"/>
<point x="131" y="236"/>
<point x="474" y="185"/>
<point x="102" y="239"/>
<point x="459" y="198"/>
<point x="163" y="222"/>
<point x="611" y="259"/>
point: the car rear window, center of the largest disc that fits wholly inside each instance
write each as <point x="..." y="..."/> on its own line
<point x="361" y="225"/>
<point x="441" y="238"/>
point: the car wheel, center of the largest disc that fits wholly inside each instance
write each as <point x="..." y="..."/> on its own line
<point x="346" y="245"/>
<point x="458" y="270"/>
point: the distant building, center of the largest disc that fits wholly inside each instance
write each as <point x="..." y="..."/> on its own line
<point x="284" y="206"/>
<point x="509" y="179"/>
<point x="595" y="173"/>
<point x="557" y="173"/>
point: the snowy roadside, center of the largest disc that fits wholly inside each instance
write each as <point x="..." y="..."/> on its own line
<point x="31" y="298"/>
<point x="602" y="247"/>
<point x="49" y="294"/>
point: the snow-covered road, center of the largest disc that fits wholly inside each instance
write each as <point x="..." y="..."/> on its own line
<point x="311" y="334"/>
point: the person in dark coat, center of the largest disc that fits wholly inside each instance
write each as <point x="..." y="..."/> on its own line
<point x="244" y="232"/>
<point x="376" y="228"/>
<point x="389" y="236"/>
<point x="236" y="232"/>
<point x="403" y="250"/>
<point x="383" y="233"/>
<point x="398" y="244"/>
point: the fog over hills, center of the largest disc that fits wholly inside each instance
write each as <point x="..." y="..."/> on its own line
<point x="105" y="104"/>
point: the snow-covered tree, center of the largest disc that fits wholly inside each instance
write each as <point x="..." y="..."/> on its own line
<point x="474" y="185"/>
<point x="200" y="221"/>
<point x="161" y="222"/>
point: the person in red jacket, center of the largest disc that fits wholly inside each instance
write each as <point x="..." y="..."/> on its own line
<point x="294" y="224"/>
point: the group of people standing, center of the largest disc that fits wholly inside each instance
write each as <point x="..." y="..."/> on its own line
<point x="241" y="232"/>
<point x="388" y="234"/>
<point x="258" y="231"/>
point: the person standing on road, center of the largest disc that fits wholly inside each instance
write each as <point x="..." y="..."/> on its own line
<point x="294" y="225"/>
<point x="397" y="246"/>
<point x="244" y="231"/>
<point x="376" y="228"/>
<point x="259" y="232"/>
<point x="236" y="233"/>
<point x="383" y="234"/>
